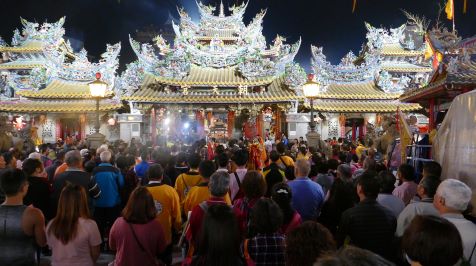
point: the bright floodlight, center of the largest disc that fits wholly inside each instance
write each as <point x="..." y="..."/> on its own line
<point x="186" y="125"/>
<point x="98" y="88"/>
<point x="166" y="121"/>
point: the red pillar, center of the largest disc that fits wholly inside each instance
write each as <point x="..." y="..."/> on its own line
<point x="353" y="130"/>
<point x="431" y="122"/>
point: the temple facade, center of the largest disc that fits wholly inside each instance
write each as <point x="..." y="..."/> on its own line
<point x="45" y="84"/>
<point x="454" y="61"/>
<point x="360" y="89"/>
<point x="219" y="79"/>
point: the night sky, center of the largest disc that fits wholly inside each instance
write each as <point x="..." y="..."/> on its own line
<point x="324" y="23"/>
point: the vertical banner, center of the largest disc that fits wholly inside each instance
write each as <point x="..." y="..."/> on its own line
<point x="277" y="131"/>
<point x="259" y="125"/>
<point x="342" y="119"/>
<point x="230" y="121"/>
<point x="58" y="128"/>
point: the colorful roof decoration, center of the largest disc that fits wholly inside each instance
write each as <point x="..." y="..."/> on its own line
<point x="335" y="106"/>
<point x="356" y="91"/>
<point x="208" y="77"/>
<point x="270" y="93"/>
<point x="61" y="89"/>
<point x="390" y="63"/>
<point x="56" y="78"/>
<point x="459" y="71"/>
<point x="218" y="51"/>
<point x="58" y="106"/>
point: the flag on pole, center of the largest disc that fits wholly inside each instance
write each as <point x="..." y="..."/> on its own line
<point x="450" y="9"/>
<point x="465" y="5"/>
<point x="354" y="5"/>
<point x="405" y="134"/>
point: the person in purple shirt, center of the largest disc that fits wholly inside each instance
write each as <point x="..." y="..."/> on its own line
<point x="308" y="196"/>
<point x="407" y="188"/>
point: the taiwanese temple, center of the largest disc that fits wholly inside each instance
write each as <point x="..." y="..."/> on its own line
<point x="360" y="89"/>
<point x="454" y="61"/>
<point x="45" y="84"/>
<point x="219" y="78"/>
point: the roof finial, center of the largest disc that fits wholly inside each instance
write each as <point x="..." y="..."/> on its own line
<point x="222" y="10"/>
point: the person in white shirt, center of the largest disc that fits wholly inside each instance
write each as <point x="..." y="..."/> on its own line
<point x="240" y="158"/>
<point x="223" y="161"/>
<point x="451" y="200"/>
<point x="426" y="191"/>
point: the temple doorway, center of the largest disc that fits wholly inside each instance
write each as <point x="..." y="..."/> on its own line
<point x="70" y="127"/>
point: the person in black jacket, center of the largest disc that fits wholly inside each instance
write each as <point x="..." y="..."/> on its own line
<point x="74" y="175"/>
<point x="50" y="170"/>
<point x="39" y="191"/>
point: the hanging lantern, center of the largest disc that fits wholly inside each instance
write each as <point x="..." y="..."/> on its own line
<point x="10" y="117"/>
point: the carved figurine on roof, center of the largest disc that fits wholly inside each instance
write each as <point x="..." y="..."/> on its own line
<point x="401" y="54"/>
<point x="28" y="53"/>
<point x="220" y="40"/>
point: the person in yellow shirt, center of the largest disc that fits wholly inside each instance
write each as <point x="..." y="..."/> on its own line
<point x="360" y="148"/>
<point x="200" y="192"/>
<point x="168" y="207"/>
<point x="284" y="160"/>
<point x="187" y="180"/>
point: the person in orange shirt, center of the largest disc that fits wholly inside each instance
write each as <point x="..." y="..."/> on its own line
<point x="200" y="192"/>
<point x="168" y="207"/>
<point x="187" y="180"/>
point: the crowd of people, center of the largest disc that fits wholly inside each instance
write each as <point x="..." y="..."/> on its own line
<point x="211" y="201"/>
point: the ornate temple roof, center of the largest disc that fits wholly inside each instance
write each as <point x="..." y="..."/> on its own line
<point x="34" y="38"/>
<point x="460" y="71"/>
<point x="58" y="79"/>
<point x="405" y="67"/>
<point x="58" y="106"/>
<point x="22" y="64"/>
<point x="218" y="51"/>
<point x="273" y="93"/>
<point x="357" y="88"/>
<point x="61" y="89"/>
<point x="386" y="106"/>
<point x="356" y="91"/>
<point x="209" y="77"/>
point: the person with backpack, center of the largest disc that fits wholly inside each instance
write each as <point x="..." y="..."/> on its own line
<point x="272" y="173"/>
<point x="285" y="162"/>
<point x="254" y="188"/>
<point x="218" y="186"/>
<point x="107" y="207"/>
<point x="240" y="158"/>
<point x="186" y="181"/>
<point x="201" y="192"/>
